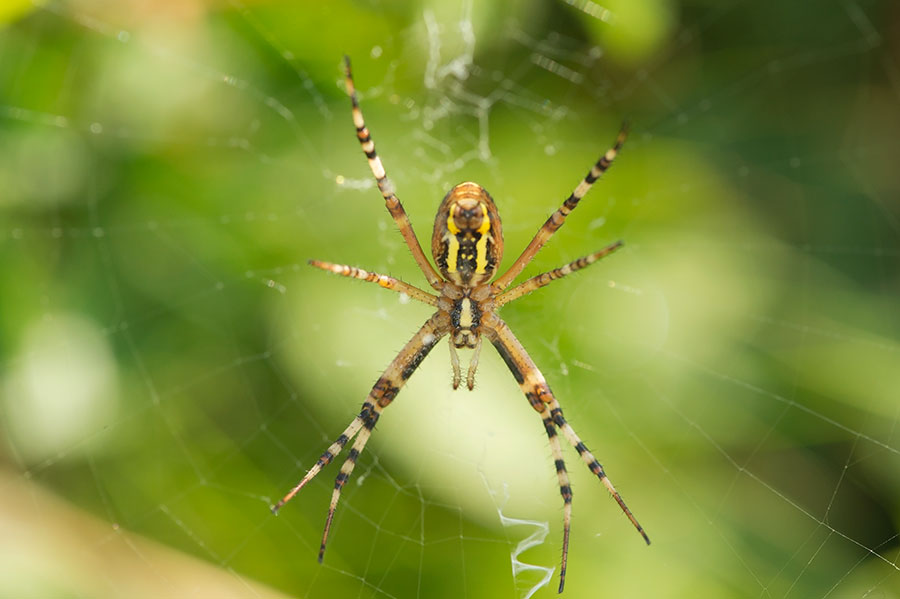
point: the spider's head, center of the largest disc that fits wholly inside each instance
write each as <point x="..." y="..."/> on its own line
<point x="467" y="244"/>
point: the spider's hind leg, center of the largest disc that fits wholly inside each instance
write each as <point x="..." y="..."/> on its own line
<point x="391" y="201"/>
<point x="557" y="219"/>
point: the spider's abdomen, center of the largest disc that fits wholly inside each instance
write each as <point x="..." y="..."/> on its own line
<point x="467" y="243"/>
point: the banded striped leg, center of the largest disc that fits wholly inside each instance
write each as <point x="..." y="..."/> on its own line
<point x="333" y="450"/>
<point x="541" y="398"/>
<point x="391" y="201"/>
<point x="557" y="219"/>
<point x="592" y="463"/>
<point x="545" y="278"/>
<point x="564" y="489"/>
<point x="382" y="394"/>
<point x="373" y="277"/>
<point x="346" y="470"/>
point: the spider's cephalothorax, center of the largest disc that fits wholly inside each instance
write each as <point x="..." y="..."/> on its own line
<point x="467" y="246"/>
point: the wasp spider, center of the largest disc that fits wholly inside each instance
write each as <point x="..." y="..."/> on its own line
<point x="467" y="245"/>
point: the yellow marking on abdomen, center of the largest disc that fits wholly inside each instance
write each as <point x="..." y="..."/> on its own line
<point x="481" y="244"/>
<point x="452" y="249"/>
<point x="451" y="223"/>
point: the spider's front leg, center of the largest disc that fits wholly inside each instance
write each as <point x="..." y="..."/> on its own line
<point x="541" y="398"/>
<point x="381" y="395"/>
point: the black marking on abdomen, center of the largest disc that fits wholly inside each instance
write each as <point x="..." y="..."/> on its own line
<point x="441" y="257"/>
<point x="467" y="255"/>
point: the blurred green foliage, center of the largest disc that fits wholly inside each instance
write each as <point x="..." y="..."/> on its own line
<point x="170" y="365"/>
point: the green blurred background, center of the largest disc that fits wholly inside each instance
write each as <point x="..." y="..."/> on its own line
<point x="169" y="365"/>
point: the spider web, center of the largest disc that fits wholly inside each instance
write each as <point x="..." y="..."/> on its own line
<point x="171" y="366"/>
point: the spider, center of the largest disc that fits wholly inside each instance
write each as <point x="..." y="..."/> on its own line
<point x="467" y="245"/>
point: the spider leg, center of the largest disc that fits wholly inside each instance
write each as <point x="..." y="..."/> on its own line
<point x="346" y="470"/>
<point x="541" y="398"/>
<point x="382" y="394"/>
<point x="592" y="463"/>
<point x="557" y="219"/>
<point x="564" y="489"/>
<point x="373" y="277"/>
<point x="333" y="450"/>
<point x="391" y="201"/>
<point x="540" y="280"/>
